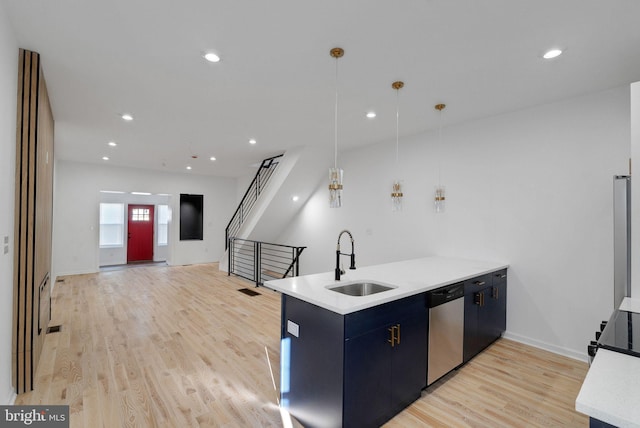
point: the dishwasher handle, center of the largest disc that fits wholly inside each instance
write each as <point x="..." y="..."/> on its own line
<point x="445" y="294"/>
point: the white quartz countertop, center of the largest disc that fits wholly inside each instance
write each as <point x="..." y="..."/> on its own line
<point x="610" y="390"/>
<point x="407" y="277"/>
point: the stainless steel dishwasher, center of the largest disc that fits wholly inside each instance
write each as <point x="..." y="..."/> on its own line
<point x="446" y="330"/>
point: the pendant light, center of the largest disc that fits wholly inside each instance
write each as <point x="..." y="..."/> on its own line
<point x="439" y="197"/>
<point x="396" y="187"/>
<point x="335" y="173"/>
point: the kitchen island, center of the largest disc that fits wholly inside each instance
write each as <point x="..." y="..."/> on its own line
<point x="359" y="360"/>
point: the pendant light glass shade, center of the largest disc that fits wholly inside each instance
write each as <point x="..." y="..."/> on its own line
<point x="396" y="196"/>
<point x="335" y="187"/>
<point x="396" y="187"/>
<point x="335" y="173"/>
<point x="439" y="199"/>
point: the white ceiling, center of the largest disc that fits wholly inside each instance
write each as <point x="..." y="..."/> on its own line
<point x="276" y="79"/>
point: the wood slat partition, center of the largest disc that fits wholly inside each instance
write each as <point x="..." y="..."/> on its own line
<point x="33" y="220"/>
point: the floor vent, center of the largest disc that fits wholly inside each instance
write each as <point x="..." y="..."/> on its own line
<point x="60" y="280"/>
<point x="54" y="329"/>
<point x="249" y="292"/>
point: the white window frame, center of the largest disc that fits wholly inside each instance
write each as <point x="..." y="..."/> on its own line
<point x="119" y="222"/>
<point x="163" y="225"/>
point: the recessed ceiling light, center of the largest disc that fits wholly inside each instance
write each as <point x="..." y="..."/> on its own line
<point x="112" y="143"/>
<point x="211" y="57"/>
<point x="371" y="114"/>
<point x="252" y="141"/>
<point x="105" y="158"/>
<point x="111" y="191"/>
<point x="189" y="167"/>
<point x="127" y="117"/>
<point x="553" y="53"/>
<point x="212" y="158"/>
<point x="141" y="193"/>
<point x="295" y="198"/>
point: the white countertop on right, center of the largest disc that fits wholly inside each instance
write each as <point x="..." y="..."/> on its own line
<point x="611" y="390"/>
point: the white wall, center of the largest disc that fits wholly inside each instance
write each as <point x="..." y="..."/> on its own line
<point x="8" y="94"/>
<point x="76" y="212"/>
<point x="532" y="188"/>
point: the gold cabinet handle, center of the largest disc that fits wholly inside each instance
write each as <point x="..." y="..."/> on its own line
<point x="482" y="298"/>
<point x="395" y="335"/>
<point x="496" y="292"/>
<point x="479" y="283"/>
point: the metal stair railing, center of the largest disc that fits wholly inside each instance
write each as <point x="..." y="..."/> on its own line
<point x="262" y="261"/>
<point x="250" y="197"/>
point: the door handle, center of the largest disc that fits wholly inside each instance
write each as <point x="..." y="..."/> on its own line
<point x="398" y="337"/>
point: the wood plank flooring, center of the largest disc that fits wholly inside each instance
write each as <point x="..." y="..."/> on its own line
<point x="181" y="347"/>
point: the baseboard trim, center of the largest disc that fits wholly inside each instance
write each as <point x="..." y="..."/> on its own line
<point x="566" y="352"/>
<point x="80" y="272"/>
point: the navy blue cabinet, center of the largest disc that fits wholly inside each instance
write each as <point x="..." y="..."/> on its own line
<point x="354" y="370"/>
<point x="485" y="311"/>
<point x="409" y="361"/>
<point x="385" y="366"/>
<point x="498" y="303"/>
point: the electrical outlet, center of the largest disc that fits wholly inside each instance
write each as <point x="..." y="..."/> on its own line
<point x="293" y="328"/>
<point x="6" y="240"/>
<point x="6" y="249"/>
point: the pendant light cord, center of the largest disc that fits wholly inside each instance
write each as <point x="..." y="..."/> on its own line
<point x="397" y="123"/>
<point x="335" y="152"/>
<point x="440" y="148"/>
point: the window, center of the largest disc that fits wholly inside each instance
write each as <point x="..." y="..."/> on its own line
<point x="163" y="224"/>
<point x="111" y="225"/>
<point x="140" y="214"/>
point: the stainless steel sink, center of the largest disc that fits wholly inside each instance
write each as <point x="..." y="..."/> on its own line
<point x="361" y="288"/>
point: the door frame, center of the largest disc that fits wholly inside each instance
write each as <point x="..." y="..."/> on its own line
<point x="105" y="257"/>
<point x="129" y="208"/>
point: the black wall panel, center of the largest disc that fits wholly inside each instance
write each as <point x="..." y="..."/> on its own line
<point x="191" y="217"/>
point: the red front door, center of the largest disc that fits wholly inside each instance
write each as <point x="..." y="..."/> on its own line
<point x="140" y="228"/>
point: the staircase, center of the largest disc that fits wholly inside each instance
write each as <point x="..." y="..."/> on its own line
<point x="266" y="209"/>
<point x="254" y="260"/>
<point x="250" y="197"/>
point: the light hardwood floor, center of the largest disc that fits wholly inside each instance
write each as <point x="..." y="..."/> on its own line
<point x="181" y="347"/>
